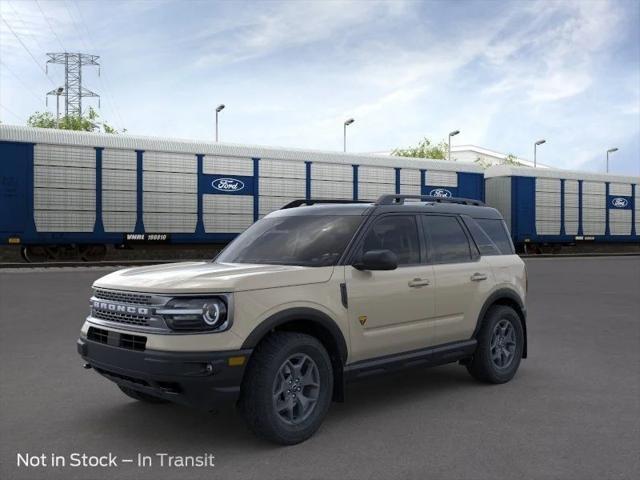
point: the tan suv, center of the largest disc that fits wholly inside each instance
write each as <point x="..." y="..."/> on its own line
<point x="313" y="295"/>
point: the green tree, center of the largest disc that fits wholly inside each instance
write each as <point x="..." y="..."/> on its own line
<point x="510" y="159"/>
<point x="89" y="122"/>
<point x="424" y="149"/>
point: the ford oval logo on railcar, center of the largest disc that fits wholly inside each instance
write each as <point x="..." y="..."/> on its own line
<point x="228" y="184"/>
<point x="619" y="202"/>
<point x="440" y="192"/>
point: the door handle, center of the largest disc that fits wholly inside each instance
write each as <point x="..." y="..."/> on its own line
<point x="477" y="277"/>
<point x="419" y="282"/>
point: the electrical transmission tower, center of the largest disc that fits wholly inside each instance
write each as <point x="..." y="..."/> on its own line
<point x="73" y="91"/>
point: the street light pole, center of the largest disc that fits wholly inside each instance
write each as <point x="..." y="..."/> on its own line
<point x="58" y="93"/>
<point x="219" y="108"/>
<point x="611" y="150"/>
<point x="535" y="146"/>
<point x="344" y="136"/>
<point x="451" y="134"/>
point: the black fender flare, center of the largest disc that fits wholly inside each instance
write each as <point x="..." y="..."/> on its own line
<point x="502" y="296"/>
<point x="305" y="314"/>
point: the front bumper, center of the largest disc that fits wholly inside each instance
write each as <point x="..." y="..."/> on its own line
<point x="197" y="379"/>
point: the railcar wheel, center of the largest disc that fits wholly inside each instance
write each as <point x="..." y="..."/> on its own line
<point x="92" y="253"/>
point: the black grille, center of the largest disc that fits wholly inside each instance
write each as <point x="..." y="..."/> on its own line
<point x="124" y="297"/>
<point x="98" y="335"/>
<point x="133" y="342"/>
<point x="122" y="340"/>
<point x="128" y="318"/>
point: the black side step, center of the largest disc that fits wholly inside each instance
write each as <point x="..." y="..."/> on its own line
<point x="430" y="356"/>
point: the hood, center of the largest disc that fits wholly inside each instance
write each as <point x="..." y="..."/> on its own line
<point x="206" y="277"/>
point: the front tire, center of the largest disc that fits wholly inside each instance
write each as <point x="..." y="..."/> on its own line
<point x="500" y="344"/>
<point x="287" y="389"/>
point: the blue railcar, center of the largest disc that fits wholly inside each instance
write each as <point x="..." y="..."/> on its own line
<point x="82" y="191"/>
<point x="560" y="207"/>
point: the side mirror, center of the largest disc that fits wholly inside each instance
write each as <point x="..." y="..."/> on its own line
<point x="377" y="260"/>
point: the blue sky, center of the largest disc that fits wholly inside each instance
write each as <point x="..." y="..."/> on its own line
<point x="504" y="73"/>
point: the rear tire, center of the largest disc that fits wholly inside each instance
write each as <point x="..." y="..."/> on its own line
<point x="287" y="389"/>
<point x="500" y="344"/>
<point x="141" y="396"/>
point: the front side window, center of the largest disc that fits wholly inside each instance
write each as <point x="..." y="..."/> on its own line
<point x="311" y="240"/>
<point x="397" y="233"/>
<point x="447" y="241"/>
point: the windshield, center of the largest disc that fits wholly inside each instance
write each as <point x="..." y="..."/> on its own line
<point x="310" y="241"/>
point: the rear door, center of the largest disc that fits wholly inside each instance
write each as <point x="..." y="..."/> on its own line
<point x="14" y="158"/>
<point x="462" y="277"/>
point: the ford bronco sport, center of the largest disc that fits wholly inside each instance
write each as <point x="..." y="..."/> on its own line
<point x="309" y="297"/>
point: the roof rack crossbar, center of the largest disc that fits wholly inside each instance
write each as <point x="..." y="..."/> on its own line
<point x="314" y="201"/>
<point x="391" y="199"/>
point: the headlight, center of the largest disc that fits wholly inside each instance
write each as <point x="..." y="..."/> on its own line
<point x="196" y="314"/>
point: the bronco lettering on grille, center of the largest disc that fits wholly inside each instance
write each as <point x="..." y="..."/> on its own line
<point x="118" y="308"/>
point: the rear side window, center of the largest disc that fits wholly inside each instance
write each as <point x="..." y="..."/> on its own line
<point x="397" y="233"/>
<point x="496" y="230"/>
<point x="447" y="241"/>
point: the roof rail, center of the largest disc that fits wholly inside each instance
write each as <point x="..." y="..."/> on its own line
<point x="315" y="201"/>
<point x="399" y="199"/>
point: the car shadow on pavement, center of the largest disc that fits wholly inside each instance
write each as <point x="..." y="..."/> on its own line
<point x="181" y="428"/>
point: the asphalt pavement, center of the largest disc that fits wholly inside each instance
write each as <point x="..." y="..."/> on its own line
<point x="572" y="411"/>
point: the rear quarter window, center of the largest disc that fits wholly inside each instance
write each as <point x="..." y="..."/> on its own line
<point x="492" y="236"/>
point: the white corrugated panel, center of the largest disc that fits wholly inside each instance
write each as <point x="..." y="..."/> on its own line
<point x="367" y="174"/>
<point x="169" y="162"/>
<point x="64" y="177"/>
<point x="169" y="222"/>
<point x="282" y="169"/>
<point x="169" y="182"/>
<point x="441" y="179"/>
<point x="409" y="176"/>
<point x="331" y="189"/>
<point x="597" y="188"/>
<point x="119" y="180"/>
<point x="227" y="223"/>
<point x="547" y="227"/>
<point x="571" y="186"/>
<point x="620" y="221"/>
<point x="620" y="189"/>
<point x="64" y="199"/>
<point x="571" y="228"/>
<point x="119" y="200"/>
<point x="411" y="189"/>
<point x="64" y="221"/>
<point x="593" y="228"/>
<point x="217" y="165"/>
<point x="371" y="191"/>
<point x="571" y="217"/>
<point x="64" y="156"/>
<point x="270" y="204"/>
<point x="223" y="204"/>
<point x="170" y="202"/>
<point x="124" y="222"/>
<point x="548" y="199"/>
<point x="119" y="159"/>
<point x="283" y="187"/>
<point x="331" y="171"/>
<point x="548" y="185"/>
<point x="594" y="201"/>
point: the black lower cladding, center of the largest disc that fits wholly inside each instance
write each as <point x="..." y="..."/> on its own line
<point x="197" y="379"/>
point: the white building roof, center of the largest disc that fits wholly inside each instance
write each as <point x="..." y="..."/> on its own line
<point x="130" y="142"/>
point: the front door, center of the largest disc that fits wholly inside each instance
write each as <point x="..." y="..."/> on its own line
<point x="391" y="311"/>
